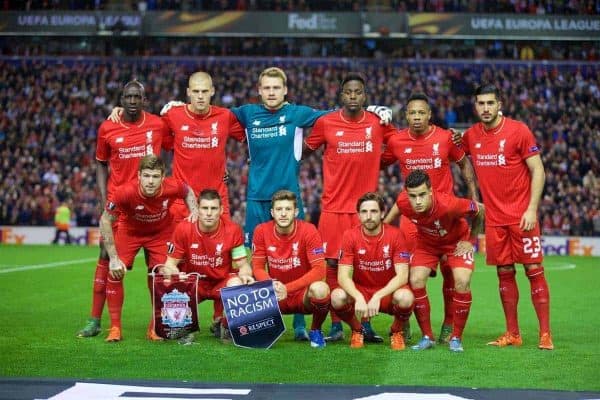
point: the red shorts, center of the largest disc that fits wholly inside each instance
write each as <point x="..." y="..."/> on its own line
<point x="409" y="230"/>
<point x="155" y="246"/>
<point x="211" y="290"/>
<point x="179" y="210"/>
<point x="294" y="303"/>
<point x="332" y="227"/>
<point x="430" y="257"/>
<point x="506" y="245"/>
<point x="386" y="304"/>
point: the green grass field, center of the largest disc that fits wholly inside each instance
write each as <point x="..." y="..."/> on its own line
<point x="45" y="294"/>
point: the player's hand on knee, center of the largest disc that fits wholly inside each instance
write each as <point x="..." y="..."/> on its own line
<point x="361" y="309"/>
<point x="384" y="113"/>
<point x="116" y="268"/>
<point x="115" y="115"/>
<point x="169" y="105"/>
<point x="463" y="247"/>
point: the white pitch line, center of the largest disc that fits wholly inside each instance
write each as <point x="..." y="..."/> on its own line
<point x="48" y="265"/>
<point x="550" y="267"/>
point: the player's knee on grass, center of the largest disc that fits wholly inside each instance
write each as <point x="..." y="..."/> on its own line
<point x="339" y="298"/>
<point x="404" y="298"/>
<point x="318" y="290"/>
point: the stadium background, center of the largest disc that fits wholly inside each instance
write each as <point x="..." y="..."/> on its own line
<point x="61" y="75"/>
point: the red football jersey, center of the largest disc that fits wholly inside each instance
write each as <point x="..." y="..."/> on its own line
<point x="498" y="157"/>
<point x="198" y="143"/>
<point x="145" y="216"/>
<point x="288" y="257"/>
<point x="351" y="159"/>
<point x="444" y="223"/>
<point x="432" y="152"/>
<point x="373" y="258"/>
<point x="123" y="144"/>
<point x="208" y="254"/>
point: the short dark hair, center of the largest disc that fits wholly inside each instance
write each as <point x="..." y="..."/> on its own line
<point x="418" y="96"/>
<point x="353" y="76"/>
<point x="152" y="162"/>
<point x="416" y="178"/>
<point x="488" y="88"/>
<point x="209" y="194"/>
<point x="371" y="196"/>
<point x="284" y="195"/>
<point x="137" y="84"/>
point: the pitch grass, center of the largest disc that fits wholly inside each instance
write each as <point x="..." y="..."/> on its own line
<point x="41" y="310"/>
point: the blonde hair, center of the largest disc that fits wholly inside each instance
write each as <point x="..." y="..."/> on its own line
<point x="273" y="72"/>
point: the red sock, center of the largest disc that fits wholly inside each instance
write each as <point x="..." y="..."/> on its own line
<point x="401" y="315"/>
<point x="423" y="311"/>
<point x="320" y="308"/>
<point x="99" y="291"/>
<point x="462" y="306"/>
<point x="347" y="315"/>
<point x="509" y="294"/>
<point x="114" y="300"/>
<point x="448" y="292"/>
<point x="540" y="296"/>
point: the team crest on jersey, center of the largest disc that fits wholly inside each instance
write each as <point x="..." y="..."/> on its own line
<point x="501" y="146"/>
<point x="218" y="254"/>
<point x="176" y="313"/>
<point x="295" y="250"/>
<point x="386" y="251"/>
<point x="214" y="128"/>
<point x="368" y="132"/>
<point x="436" y="149"/>
<point x="149" y="136"/>
<point x="282" y="131"/>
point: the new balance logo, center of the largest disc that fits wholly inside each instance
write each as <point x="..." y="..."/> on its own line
<point x="339" y="133"/>
<point x="477" y="145"/>
<point x="194" y="246"/>
<point x="256" y="122"/>
<point x="271" y="248"/>
<point x="362" y="251"/>
<point x="282" y="119"/>
<point x="185" y="127"/>
<point x="119" y="140"/>
<point x="140" y="207"/>
<point x="408" y="150"/>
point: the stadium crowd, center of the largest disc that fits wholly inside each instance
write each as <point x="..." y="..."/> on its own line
<point x="475" y="6"/>
<point x="51" y="110"/>
<point x="303" y="47"/>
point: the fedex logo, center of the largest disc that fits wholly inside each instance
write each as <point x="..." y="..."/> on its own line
<point x="565" y="246"/>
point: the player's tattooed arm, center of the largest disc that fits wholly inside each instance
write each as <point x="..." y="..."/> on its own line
<point x="115" y="265"/>
<point x="468" y="175"/>
<point x="102" y="179"/>
<point x="192" y="205"/>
